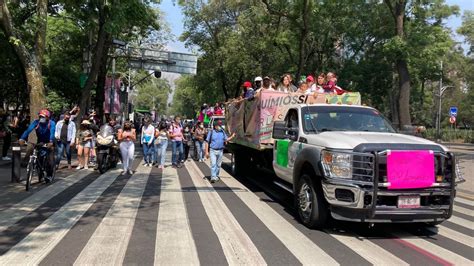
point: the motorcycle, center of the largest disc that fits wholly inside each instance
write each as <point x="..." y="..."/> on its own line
<point x="107" y="149"/>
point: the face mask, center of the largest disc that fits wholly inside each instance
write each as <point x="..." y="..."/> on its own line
<point x="42" y="120"/>
<point x="66" y="120"/>
<point x="201" y="126"/>
<point x="186" y="130"/>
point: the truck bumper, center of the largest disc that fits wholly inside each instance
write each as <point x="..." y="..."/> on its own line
<point x="352" y="202"/>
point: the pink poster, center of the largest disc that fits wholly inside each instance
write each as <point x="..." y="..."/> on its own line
<point x="116" y="106"/>
<point x="410" y="169"/>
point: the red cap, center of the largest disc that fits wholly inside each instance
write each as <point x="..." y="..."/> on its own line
<point x="247" y="84"/>
<point x="309" y="79"/>
<point x="44" y="113"/>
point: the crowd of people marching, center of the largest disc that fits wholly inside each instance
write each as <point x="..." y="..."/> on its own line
<point x="62" y="136"/>
<point x="325" y="83"/>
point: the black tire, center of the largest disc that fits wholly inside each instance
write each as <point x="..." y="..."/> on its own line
<point x="312" y="208"/>
<point x="101" y="162"/>
<point x="29" y="175"/>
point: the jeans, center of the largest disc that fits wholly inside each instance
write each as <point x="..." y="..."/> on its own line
<point x="200" y="149"/>
<point x="177" y="152"/>
<point x="61" y="147"/>
<point x="161" y="152"/>
<point x="148" y="152"/>
<point x="127" y="149"/>
<point x="216" y="161"/>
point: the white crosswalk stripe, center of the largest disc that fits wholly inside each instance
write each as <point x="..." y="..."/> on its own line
<point x="464" y="201"/>
<point x="108" y="244"/>
<point x="176" y="242"/>
<point x="45" y="237"/>
<point x="26" y="206"/>
<point x="236" y="244"/>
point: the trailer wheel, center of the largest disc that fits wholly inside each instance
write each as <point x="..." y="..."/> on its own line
<point x="312" y="208"/>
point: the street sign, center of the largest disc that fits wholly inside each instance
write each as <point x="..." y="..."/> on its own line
<point x="452" y="119"/>
<point x="453" y="111"/>
<point x="165" y="61"/>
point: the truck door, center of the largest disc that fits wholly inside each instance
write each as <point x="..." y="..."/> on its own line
<point x="287" y="149"/>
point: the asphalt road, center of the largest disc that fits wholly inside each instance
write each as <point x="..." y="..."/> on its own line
<point x="175" y="217"/>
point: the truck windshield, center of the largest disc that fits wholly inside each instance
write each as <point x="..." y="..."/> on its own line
<point x="317" y="119"/>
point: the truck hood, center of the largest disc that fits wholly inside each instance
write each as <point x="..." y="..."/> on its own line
<point x="349" y="140"/>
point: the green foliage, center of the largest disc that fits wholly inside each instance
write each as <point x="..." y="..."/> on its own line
<point x="55" y="102"/>
<point x="152" y="95"/>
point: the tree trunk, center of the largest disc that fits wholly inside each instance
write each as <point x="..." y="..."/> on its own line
<point x="304" y="34"/>
<point x="404" y="96"/>
<point x="100" y="89"/>
<point x="398" y="13"/>
<point x="96" y="62"/>
<point x="30" y="61"/>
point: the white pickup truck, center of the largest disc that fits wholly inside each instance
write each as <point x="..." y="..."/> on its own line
<point x="346" y="161"/>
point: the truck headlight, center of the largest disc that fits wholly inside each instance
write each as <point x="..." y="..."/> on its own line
<point x="337" y="164"/>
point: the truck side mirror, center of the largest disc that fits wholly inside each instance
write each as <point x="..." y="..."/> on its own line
<point x="279" y="130"/>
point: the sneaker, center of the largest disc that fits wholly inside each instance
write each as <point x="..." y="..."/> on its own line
<point x="48" y="179"/>
<point x="78" y="167"/>
<point x="130" y="172"/>
<point x="123" y="172"/>
<point x="69" y="167"/>
<point x="6" y="158"/>
<point x="145" y="164"/>
<point x="86" y="167"/>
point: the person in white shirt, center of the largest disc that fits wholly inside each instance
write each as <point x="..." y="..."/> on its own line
<point x="147" y="140"/>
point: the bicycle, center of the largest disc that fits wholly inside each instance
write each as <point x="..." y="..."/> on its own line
<point x="37" y="164"/>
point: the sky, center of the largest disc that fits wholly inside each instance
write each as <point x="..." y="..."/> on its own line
<point x="174" y="18"/>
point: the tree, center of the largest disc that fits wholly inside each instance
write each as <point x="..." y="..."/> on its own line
<point x="30" y="54"/>
<point x="153" y="95"/>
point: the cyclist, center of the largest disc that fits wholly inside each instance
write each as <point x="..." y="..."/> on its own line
<point x="45" y="128"/>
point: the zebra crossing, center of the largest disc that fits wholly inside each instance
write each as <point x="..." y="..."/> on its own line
<point x="175" y="217"/>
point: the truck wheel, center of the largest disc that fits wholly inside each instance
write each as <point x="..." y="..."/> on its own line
<point x="312" y="208"/>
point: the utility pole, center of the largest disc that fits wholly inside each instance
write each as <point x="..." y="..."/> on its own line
<point x="438" y="120"/>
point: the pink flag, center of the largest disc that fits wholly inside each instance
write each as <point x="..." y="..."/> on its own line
<point x="116" y="104"/>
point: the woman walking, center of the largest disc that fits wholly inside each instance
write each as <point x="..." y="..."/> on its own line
<point x="147" y="138"/>
<point x="200" y="134"/>
<point x="127" y="136"/>
<point x="84" y="144"/>
<point x="161" y="143"/>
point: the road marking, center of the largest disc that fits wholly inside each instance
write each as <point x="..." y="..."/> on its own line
<point x="463" y="210"/>
<point x="433" y="250"/>
<point x="46" y="236"/>
<point x="236" y="244"/>
<point x="465" y="201"/>
<point x="452" y="234"/>
<point x="18" y="211"/>
<point x="108" y="244"/>
<point x="174" y="241"/>
<point x="302" y="248"/>
<point x="462" y="222"/>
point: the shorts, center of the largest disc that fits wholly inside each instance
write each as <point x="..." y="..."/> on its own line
<point x="87" y="144"/>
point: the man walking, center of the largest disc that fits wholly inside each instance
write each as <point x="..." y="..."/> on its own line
<point x="65" y="135"/>
<point x="176" y="135"/>
<point x="216" y="139"/>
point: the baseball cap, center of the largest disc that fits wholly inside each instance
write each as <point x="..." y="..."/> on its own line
<point x="219" y="122"/>
<point x="267" y="77"/>
<point x="258" y="79"/>
<point x="44" y="113"/>
<point x="309" y="79"/>
<point x="247" y="84"/>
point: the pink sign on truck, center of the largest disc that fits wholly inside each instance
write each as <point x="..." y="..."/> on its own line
<point x="410" y="169"/>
